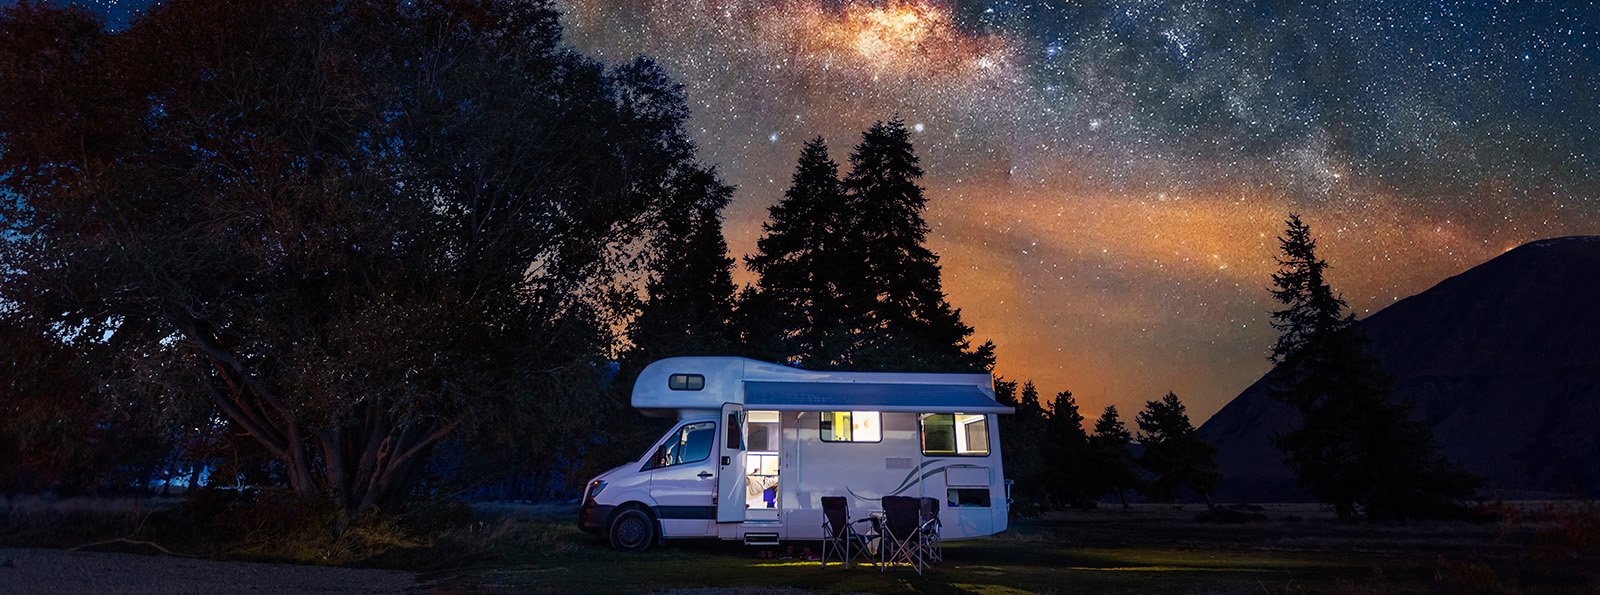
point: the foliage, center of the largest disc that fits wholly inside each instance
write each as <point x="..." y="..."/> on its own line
<point x="1174" y="452"/>
<point x="354" y="229"/>
<point x="1112" y="466"/>
<point x="1357" y="447"/>
<point x="1022" y="443"/>
<point x="845" y="280"/>
<point x="908" y="324"/>
<point x="689" y="307"/>
<point x="1070" y="474"/>
<point x="796" y="312"/>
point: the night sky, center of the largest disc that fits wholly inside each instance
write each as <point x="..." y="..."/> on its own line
<point x="1106" y="180"/>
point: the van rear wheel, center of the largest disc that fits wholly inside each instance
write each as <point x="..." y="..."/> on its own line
<point x="632" y="530"/>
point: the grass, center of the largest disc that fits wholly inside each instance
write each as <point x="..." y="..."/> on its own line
<point x="508" y="548"/>
<point x="1151" y="549"/>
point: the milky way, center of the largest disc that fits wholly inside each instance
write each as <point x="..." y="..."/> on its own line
<point x="1106" y="179"/>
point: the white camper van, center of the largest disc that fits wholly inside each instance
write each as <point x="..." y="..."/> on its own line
<point x="758" y="445"/>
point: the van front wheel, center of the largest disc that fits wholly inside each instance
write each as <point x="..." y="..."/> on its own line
<point x="632" y="530"/>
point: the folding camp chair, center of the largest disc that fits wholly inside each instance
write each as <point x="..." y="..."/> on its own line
<point x="902" y="533"/>
<point x="931" y="548"/>
<point x="839" y="538"/>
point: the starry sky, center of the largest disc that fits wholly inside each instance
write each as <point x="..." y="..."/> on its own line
<point x="1106" y="179"/>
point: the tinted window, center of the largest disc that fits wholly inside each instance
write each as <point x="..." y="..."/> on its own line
<point x="689" y="444"/>
<point x="686" y="382"/>
<point x="968" y="498"/>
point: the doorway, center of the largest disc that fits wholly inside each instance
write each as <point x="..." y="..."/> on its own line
<point x="763" y="496"/>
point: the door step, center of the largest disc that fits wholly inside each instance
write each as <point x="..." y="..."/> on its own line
<point x="761" y="539"/>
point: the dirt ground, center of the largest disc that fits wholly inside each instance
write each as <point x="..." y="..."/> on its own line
<point x="56" y="572"/>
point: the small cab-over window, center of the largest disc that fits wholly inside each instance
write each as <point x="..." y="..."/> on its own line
<point x="686" y="382"/>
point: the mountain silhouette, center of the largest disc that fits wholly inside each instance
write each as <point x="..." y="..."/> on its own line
<point x="1502" y="361"/>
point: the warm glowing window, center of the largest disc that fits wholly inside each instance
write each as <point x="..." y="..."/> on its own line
<point x="851" y="426"/>
<point x="945" y="434"/>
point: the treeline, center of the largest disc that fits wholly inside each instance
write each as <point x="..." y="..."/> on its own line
<point x="367" y="252"/>
<point x="371" y="251"/>
<point x="1056" y="462"/>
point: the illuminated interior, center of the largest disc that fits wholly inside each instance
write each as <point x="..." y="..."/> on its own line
<point x="761" y="465"/>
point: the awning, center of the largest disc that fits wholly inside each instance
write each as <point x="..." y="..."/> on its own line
<point x="850" y="396"/>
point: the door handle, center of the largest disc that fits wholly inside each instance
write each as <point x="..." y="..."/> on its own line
<point x="704" y="474"/>
<point x="727" y="461"/>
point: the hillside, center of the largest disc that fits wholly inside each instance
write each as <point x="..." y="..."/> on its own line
<point x="1503" y="361"/>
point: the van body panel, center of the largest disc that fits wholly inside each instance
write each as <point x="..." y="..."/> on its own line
<point x="805" y="435"/>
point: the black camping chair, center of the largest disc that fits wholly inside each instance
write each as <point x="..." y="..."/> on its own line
<point x="902" y="533"/>
<point x="839" y="538"/>
<point x="931" y="548"/>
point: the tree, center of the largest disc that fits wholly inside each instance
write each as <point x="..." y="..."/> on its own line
<point x="1174" y="452"/>
<point x="1111" y="459"/>
<point x="1357" y="447"/>
<point x="689" y="305"/>
<point x="1069" y="471"/>
<point x="1022" y="445"/>
<point x="899" y="298"/>
<point x="801" y="267"/>
<point x="354" y="228"/>
<point x="844" y="278"/>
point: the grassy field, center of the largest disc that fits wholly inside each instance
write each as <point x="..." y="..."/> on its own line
<point x="506" y="548"/>
<point x="1150" y="549"/>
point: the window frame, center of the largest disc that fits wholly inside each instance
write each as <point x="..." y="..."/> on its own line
<point x="826" y="415"/>
<point x="953" y="500"/>
<point x="955" y="427"/>
<point x="690" y="382"/>
<point x="676" y="433"/>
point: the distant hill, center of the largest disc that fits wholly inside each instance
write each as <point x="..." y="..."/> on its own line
<point x="1503" y="361"/>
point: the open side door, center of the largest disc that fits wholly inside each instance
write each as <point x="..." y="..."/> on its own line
<point x="730" y="466"/>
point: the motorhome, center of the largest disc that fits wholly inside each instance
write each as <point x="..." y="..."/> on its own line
<point x="757" y="445"/>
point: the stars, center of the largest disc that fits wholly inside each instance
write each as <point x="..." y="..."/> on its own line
<point x="1110" y="166"/>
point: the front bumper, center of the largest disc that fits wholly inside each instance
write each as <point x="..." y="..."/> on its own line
<point x="593" y="517"/>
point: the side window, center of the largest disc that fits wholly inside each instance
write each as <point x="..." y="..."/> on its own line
<point x="689" y="444"/>
<point x="967" y="497"/>
<point x="850" y="426"/>
<point x="947" y="434"/>
<point x="686" y="382"/>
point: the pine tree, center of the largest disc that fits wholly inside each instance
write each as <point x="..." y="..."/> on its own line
<point x="689" y="307"/>
<point x="1357" y="447"/>
<point x="1174" y="451"/>
<point x="1069" y="468"/>
<point x="896" y="292"/>
<point x="1022" y="445"/>
<point x="1114" y="467"/>
<point x="803" y="318"/>
<point x="844" y="278"/>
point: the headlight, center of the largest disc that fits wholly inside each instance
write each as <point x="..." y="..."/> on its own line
<point x="593" y="490"/>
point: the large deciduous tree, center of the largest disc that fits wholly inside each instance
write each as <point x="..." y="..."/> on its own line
<point x="1357" y="447"/>
<point x="355" y="228"/>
